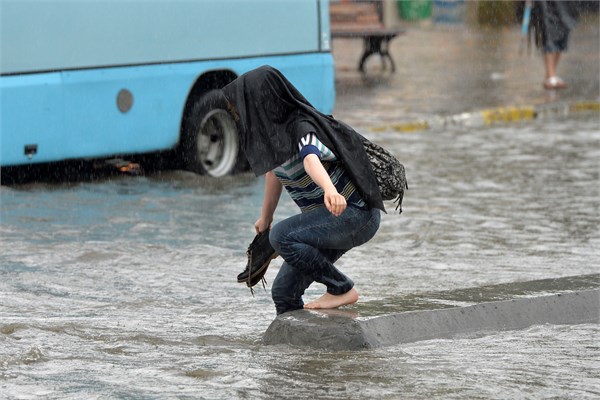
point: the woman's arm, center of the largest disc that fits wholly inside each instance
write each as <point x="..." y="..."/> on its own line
<point x="335" y="202"/>
<point x="273" y="190"/>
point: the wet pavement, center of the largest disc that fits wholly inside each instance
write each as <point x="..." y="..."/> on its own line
<point x="125" y="287"/>
<point x="451" y="69"/>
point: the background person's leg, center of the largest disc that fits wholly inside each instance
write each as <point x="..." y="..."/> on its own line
<point x="551" y="62"/>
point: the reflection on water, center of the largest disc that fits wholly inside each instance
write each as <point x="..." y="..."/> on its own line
<point x="125" y="287"/>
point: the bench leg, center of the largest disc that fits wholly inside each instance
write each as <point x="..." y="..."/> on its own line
<point x="386" y="54"/>
<point x="376" y="45"/>
<point x="372" y="45"/>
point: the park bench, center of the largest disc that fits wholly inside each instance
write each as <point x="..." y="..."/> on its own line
<point x="363" y="19"/>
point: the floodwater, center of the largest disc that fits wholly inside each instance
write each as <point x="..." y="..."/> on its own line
<point x="125" y="287"/>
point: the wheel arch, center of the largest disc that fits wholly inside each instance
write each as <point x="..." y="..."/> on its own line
<point x="206" y="82"/>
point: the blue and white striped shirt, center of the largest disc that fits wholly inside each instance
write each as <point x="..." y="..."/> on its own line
<point x="306" y="193"/>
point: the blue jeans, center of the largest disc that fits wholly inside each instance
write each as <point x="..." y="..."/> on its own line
<point x="309" y="244"/>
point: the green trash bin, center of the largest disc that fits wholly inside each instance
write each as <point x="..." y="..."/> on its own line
<point x="414" y="10"/>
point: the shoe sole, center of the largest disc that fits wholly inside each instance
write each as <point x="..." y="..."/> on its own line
<point x="259" y="270"/>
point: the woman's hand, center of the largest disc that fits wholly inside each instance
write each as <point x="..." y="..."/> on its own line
<point x="335" y="202"/>
<point x="262" y="225"/>
<point x="273" y="190"/>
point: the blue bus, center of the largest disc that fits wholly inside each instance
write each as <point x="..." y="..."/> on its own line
<point x="91" y="79"/>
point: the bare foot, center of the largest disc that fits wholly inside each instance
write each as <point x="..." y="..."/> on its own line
<point x="334" y="301"/>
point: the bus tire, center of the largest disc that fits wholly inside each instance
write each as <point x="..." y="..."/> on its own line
<point x="210" y="140"/>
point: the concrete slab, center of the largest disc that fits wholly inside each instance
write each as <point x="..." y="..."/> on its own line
<point x="410" y="318"/>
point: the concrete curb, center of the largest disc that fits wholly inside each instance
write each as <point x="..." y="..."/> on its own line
<point x="492" y="116"/>
<point x="577" y="302"/>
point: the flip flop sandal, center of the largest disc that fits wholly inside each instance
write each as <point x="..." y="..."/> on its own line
<point x="554" y="82"/>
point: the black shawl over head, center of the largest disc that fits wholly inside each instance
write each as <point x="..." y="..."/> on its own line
<point x="269" y="106"/>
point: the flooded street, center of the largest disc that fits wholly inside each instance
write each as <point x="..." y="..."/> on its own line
<point x="125" y="287"/>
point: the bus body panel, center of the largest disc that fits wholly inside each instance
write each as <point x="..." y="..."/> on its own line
<point x="74" y="114"/>
<point x="31" y="113"/>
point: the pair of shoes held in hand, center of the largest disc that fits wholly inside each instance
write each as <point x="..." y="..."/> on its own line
<point x="260" y="253"/>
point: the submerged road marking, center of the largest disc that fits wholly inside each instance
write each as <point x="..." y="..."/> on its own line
<point x="491" y="116"/>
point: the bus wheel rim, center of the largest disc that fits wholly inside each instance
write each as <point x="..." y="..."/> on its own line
<point x="217" y="144"/>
